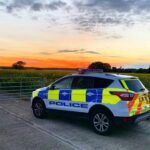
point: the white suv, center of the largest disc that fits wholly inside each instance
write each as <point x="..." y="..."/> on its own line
<point x="105" y="98"/>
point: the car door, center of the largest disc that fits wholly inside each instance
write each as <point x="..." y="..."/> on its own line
<point x="83" y="90"/>
<point x="60" y="92"/>
<point x="87" y="90"/>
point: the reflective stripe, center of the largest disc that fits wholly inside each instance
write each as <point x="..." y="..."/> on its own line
<point x="35" y="93"/>
<point x="124" y="84"/>
<point x="131" y="103"/>
<point x="134" y="108"/>
<point x="138" y="105"/>
<point x="53" y="95"/>
<point x="78" y="96"/>
<point x="139" y="108"/>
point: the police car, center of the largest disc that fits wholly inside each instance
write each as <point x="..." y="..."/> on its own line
<point x="104" y="97"/>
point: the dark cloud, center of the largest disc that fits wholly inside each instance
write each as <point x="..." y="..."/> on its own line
<point x="143" y="5"/>
<point x="55" y="5"/>
<point x="18" y="4"/>
<point x="34" y="5"/>
<point x="2" y="3"/>
<point x="109" y="12"/>
<point x="71" y="51"/>
<point x="114" y="5"/>
<point x="9" y="8"/>
<point x="37" y="7"/>
<point x="68" y="51"/>
<point x="79" y="51"/>
<point x="117" y="5"/>
<point x="50" y="6"/>
<point x="91" y="52"/>
<point x="89" y="15"/>
<point x="64" y="51"/>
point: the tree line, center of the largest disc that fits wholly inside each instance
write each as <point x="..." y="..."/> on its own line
<point x="108" y="68"/>
<point x="95" y="65"/>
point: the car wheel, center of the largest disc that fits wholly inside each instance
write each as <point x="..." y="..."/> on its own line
<point x="39" y="109"/>
<point x="102" y="122"/>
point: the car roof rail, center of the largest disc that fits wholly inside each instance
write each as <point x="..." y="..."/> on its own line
<point x="84" y="71"/>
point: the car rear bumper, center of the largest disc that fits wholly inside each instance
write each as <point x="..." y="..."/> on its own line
<point x="141" y="117"/>
<point x="133" y="119"/>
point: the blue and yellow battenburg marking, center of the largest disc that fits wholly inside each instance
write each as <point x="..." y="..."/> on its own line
<point x="90" y="95"/>
<point x="65" y="95"/>
<point x="83" y="95"/>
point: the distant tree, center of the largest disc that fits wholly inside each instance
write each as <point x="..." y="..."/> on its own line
<point x="114" y="69"/>
<point x="141" y="70"/>
<point x="100" y="65"/>
<point x="19" y="65"/>
<point x="96" y="65"/>
<point x="106" y="66"/>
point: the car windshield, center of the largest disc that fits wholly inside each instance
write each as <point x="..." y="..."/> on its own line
<point x="135" y="85"/>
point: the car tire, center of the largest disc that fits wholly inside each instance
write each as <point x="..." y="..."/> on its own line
<point x="39" y="109"/>
<point x="102" y="122"/>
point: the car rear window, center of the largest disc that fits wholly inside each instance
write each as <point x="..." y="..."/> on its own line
<point x="135" y="85"/>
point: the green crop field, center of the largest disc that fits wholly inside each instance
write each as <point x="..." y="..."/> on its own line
<point x="52" y="75"/>
<point x="49" y="75"/>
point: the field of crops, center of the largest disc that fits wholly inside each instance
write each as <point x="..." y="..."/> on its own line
<point x="51" y="75"/>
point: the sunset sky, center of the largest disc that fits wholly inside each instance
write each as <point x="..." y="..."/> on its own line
<point x="74" y="33"/>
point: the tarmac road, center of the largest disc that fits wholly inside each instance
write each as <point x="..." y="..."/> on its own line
<point x="20" y="130"/>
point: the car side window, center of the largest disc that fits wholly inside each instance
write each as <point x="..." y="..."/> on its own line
<point x="102" y="83"/>
<point x="63" y="84"/>
<point x="83" y="83"/>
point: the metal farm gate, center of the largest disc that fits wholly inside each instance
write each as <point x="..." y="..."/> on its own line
<point x="19" y="88"/>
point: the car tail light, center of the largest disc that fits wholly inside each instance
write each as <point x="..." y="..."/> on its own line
<point x="125" y="96"/>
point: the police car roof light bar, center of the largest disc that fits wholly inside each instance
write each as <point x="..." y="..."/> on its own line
<point x="84" y="71"/>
